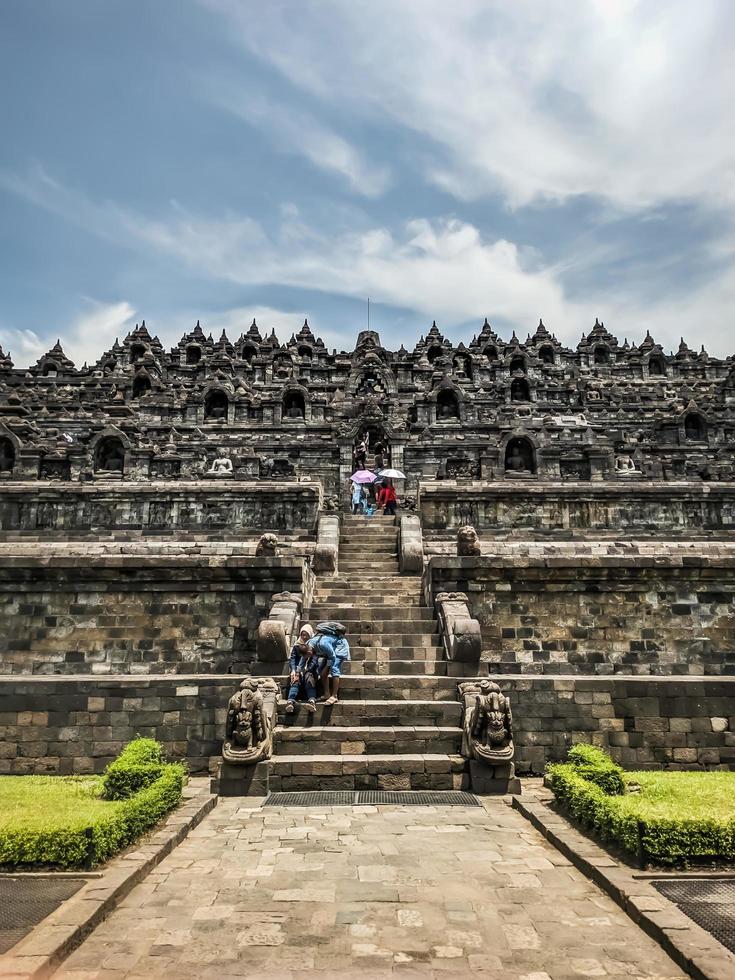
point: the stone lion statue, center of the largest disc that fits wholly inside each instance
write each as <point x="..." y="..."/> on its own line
<point x="267" y="547"/>
<point x="468" y="544"/>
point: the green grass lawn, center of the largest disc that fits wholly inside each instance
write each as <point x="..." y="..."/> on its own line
<point x="50" y="802"/>
<point x="64" y="822"/>
<point x="676" y="817"/>
<point x="680" y="796"/>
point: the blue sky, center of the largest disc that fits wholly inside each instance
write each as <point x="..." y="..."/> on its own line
<point x="225" y="159"/>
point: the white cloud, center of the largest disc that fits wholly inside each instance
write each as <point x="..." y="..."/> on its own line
<point x="93" y="331"/>
<point x="24" y="346"/>
<point x="85" y="338"/>
<point x="626" y="99"/>
<point x="300" y="133"/>
<point x="444" y="269"/>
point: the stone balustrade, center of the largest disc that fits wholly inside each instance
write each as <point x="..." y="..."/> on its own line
<point x="410" y="545"/>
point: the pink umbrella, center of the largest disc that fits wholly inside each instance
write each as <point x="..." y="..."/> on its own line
<point x="363" y="476"/>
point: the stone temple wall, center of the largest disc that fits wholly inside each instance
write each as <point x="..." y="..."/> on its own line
<point x="205" y="506"/>
<point x="491" y="409"/>
<point x="138" y="613"/>
<point x="653" y="613"/>
<point x="77" y="725"/>
<point x="622" y="507"/>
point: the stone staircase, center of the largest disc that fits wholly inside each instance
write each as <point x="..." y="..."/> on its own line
<point x="397" y="723"/>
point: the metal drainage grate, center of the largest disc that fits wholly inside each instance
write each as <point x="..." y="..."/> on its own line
<point x="710" y="902"/>
<point x="350" y="798"/>
<point x="337" y="798"/>
<point x="24" y="902"/>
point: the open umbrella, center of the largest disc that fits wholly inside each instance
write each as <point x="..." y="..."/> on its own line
<point x="363" y="476"/>
<point x="391" y="474"/>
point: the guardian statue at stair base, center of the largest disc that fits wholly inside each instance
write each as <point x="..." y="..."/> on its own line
<point x="487" y="737"/>
<point x="249" y="725"/>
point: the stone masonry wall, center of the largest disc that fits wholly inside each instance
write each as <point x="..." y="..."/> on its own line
<point x="599" y="615"/>
<point x="524" y="506"/>
<point x="77" y="725"/>
<point x="203" y="505"/>
<point x="138" y="614"/>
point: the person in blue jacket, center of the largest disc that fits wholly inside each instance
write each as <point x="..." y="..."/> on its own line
<point x="331" y="646"/>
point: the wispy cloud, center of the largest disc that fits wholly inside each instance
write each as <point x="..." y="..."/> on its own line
<point x="299" y="133"/>
<point x="443" y="268"/>
<point x="25" y="346"/>
<point x="626" y="100"/>
<point x="84" y="337"/>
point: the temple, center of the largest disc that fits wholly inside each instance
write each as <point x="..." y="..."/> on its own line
<point x="566" y="530"/>
<point x="492" y="410"/>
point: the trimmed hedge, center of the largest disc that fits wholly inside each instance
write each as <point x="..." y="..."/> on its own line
<point x="622" y="819"/>
<point x="593" y="764"/>
<point x="86" y="843"/>
<point x="139" y="764"/>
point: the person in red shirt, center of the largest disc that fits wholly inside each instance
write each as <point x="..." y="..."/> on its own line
<point x="387" y="499"/>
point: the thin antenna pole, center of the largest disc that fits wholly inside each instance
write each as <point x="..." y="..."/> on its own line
<point x="368" y="312"/>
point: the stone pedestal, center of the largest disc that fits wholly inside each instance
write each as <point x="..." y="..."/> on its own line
<point x="241" y="780"/>
<point x="502" y="779"/>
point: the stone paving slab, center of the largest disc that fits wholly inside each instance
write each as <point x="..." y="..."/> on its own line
<point x="367" y="892"/>
<point x="699" y="953"/>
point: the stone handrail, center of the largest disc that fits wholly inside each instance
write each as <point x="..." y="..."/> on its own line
<point x="277" y="633"/>
<point x="461" y="633"/>
<point x="327" y="544"/>
<point x="410" y="544"/>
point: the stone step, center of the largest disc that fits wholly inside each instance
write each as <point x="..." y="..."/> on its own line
<point x="365" y="652"/>
<point x="397" y="668"/>
<point x="368" y="535"/>
<point x="351" y="611"/>
<point x="390" y="771"/>
<point x="359" y="584"/>
<point x="373" y="536"/>
<point x="362" y="588"/>
<point x="339" y="597"/>
<point x="387" y="641"/>
<point x="379" y="624"/>
<point x="320" y="740"/>
<point x="409" y="689"/>
<point x="382" y="566"/>
<point x="378" y="688"/>
<point x="381" y="711"/>
<point x="350" y="552"/>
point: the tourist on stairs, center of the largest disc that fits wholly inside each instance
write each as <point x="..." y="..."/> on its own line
<point x="360" y="455"/>
<point x="358" y="498"/>
<point x="304" y="670"/>
<point x="331" y="645"/>
<point x="387" y="499"/>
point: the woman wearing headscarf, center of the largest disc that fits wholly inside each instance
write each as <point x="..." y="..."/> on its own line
<point x="304" y="669"/>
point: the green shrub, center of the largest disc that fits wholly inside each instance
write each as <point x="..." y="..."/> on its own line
<point x="595" y="765"/>
<point x="139" y="764"/>
<point x="663" y="833"/>
<point x="86" y="843"/>
<point x="583" y="754"/>
<point x="83" y="830"/>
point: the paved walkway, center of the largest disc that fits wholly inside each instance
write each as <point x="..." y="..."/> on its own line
<point x="367" y="892"/>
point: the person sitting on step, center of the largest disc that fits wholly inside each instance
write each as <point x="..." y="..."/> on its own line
<point x="304" y="669"/>
<point x="330" y="643"/>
